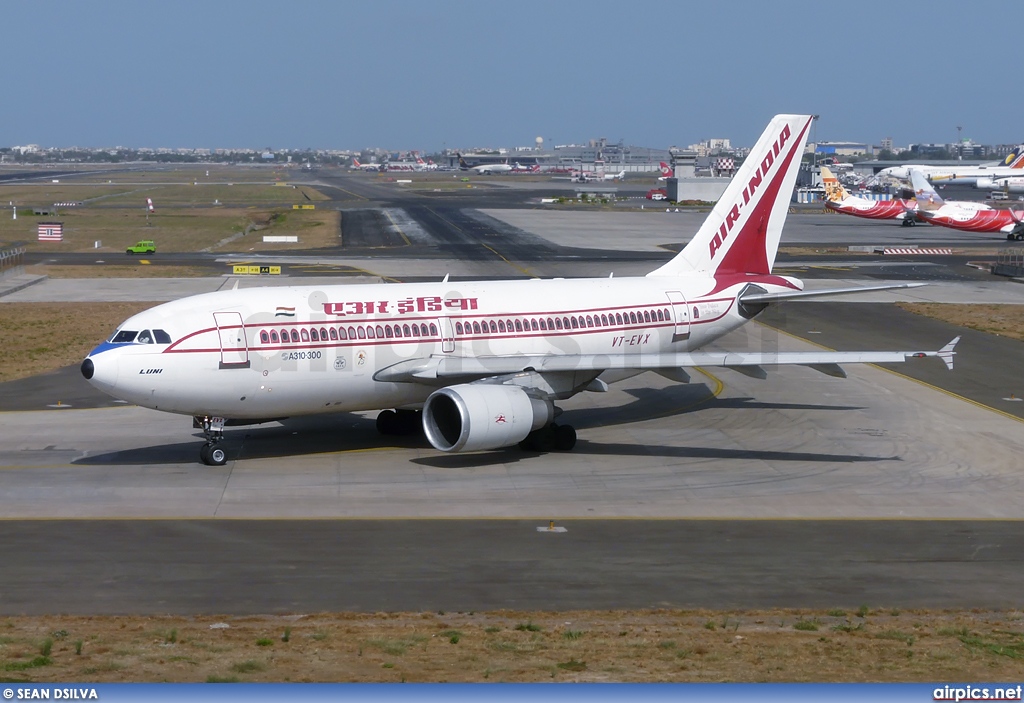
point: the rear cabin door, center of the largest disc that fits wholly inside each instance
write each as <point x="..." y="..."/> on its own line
<point x="681" y="315"/>
<point x="234" y="349"/>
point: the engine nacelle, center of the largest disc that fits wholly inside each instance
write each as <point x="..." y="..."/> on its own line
<point x="985" y="183"/>
<point x="475" y="416"/>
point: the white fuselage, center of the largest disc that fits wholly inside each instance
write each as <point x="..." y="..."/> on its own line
<point x="227" y="358"/>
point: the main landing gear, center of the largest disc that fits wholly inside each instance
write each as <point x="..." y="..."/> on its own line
<point x="400" y="423"/>
<point x="1018" y="236"/>
<point x="211" y="453"/>
<point x="561" y="438"/>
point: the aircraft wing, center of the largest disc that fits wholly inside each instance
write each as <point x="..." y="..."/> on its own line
<point x="432" y="369"/>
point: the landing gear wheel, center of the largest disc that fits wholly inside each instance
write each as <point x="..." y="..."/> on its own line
<point x="565" y="438"/>
<point x="399" y="422"/>
<point x="212" y="455"/>
<point x="387" y="422"/>
<point x="554" y="437"/>
<point x="1020" y="237"/>
<point x="218" y="457"/>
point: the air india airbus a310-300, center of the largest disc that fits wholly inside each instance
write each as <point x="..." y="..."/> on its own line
<point x="480" y="365"/>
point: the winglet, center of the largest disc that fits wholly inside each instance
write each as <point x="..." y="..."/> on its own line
<point x="948" y="352"/>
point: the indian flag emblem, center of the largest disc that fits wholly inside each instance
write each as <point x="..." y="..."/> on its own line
<point x="285" y="312"/>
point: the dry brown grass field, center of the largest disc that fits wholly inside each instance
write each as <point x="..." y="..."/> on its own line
<point x="1003" y="320"/>
<point x="40" y="337"/>
<point x="602" y="646"/>
<point x="178" y="229"/>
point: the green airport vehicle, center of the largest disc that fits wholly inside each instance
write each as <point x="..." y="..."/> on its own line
<point x="146" y="246"/>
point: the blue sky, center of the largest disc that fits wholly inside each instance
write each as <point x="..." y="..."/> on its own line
<point x="422" y="75"/>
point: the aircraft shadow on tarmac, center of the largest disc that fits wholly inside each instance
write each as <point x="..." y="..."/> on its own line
<point x="586" y="447"/>
<point x="347" y="432"/>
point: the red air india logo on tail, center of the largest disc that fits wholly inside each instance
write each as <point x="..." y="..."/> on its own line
<point x="748" y="192"/>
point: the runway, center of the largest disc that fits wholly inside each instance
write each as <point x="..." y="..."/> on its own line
<point x="800" y="490"/>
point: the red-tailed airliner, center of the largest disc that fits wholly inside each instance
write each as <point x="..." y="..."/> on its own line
<point x="479" y="365"/>
<point x="964" y="215"/>
<point x="838" y="199"/>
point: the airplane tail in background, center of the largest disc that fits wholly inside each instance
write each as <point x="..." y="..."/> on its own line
<point x="462" y="161"/>
<point x="927" y="198"/>
<point x="834" y="190"/>
<point x="666" y="170"/>
<point x="1015" y="159"/>
<point x="742" y="233"/>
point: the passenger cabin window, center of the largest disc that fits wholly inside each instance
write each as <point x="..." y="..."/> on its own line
<point x="305" y="334"/>
<point x="380" y="331"/>
<point x="162" y="337"/>
<point x="334" y="334"/>
<point x="458" y="328"/>
<point x="264" y="337"/>
<point x="295" y="335"/>
<point x="342" y="334"/>
<point x="273" y="337"/>
<point x="433" y="329"/>
<point x="314" y="335"/>
<point x="361" y="331"/>
<point x="369" y="332"/>
<point x="323" y="334"/>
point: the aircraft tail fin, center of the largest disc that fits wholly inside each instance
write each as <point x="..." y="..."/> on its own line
<point x="834" y="190"/>
<point x="927" y="198"/>
<point x="1015" y="159"/>
<point x="462" y="161"/>
<point x="742" y="233"/>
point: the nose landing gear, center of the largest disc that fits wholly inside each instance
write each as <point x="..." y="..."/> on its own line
<point x="211" y="453"/>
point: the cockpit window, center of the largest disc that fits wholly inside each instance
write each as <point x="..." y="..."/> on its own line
<point x="123" y="337"/>
<point x="161" y="337"/>
<point x="145" y="337"/>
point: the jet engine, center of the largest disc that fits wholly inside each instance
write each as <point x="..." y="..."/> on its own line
<point x="474" y="416"/>
<point x="985" y="183"/>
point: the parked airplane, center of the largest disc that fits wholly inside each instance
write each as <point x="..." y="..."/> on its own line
<point x="1008" y="185"/>
<point x="519" y="168"/>
<point x="964" y="215"/>
<point x="614" y="176"/>
<point x="364" y="167"/>
<point x="1012" y="165"/>
<point x="838" y="199"/>
<point x="484" y="169"/>
<point x="427" y="165"/>
<point x="480" y="365"/>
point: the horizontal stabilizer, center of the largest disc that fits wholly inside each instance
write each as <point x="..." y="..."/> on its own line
<point x="755" y="297"/>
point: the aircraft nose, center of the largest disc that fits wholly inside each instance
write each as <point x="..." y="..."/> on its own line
<point x="101" y="370"/>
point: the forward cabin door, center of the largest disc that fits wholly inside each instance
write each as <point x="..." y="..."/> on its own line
<point x="680" y="314"/>
<point x="234" y="349"/>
